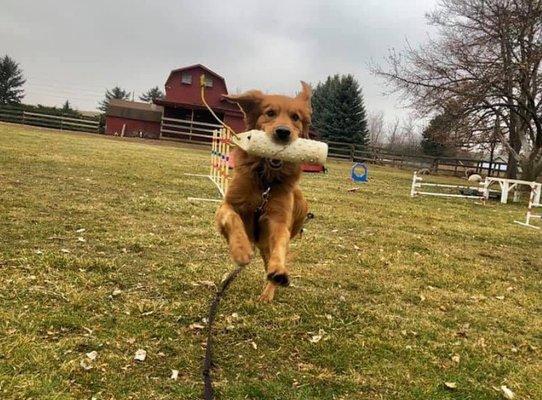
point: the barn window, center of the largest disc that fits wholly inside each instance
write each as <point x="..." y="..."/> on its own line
<point x="186" y="77"/>
<point x="208" y="81"/>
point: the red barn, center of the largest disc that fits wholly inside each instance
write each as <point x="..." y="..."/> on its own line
<point x="185" y="115"/>
<point x="181" y="115"/>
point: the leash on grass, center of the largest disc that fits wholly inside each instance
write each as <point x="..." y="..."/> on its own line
<point x="221" y="291"/>
<point x="208" y="393"/>
<point x="208" y="361"/>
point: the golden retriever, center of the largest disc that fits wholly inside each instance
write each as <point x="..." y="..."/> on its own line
<point x="264" y="206"/>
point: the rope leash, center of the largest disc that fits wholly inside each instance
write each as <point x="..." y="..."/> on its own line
<point x="208" y="393"/>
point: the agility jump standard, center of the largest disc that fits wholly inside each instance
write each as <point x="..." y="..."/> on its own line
<point x="534" y="201"/>
<point x="220" y="163"/>
<point x="417" y="183"/>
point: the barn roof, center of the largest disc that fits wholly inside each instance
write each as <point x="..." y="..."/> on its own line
<point x="197" y="66"/>
<point x="134" y="110"/>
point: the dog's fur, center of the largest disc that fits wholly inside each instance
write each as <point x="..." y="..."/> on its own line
<point x="286" y="209"/>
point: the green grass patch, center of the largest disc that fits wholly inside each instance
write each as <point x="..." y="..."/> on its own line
<point x="101" y="251"/>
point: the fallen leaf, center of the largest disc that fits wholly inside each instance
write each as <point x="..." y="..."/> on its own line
<point x="317" y="338"/>
<point x="85" y="365"/>
<point x="450" y="385"/>
<point x="140" y="355"/>
<point x="174" y="374"/>
<point x="507" y="393"/>
<point x="456" y="358"/>
<point x="92" y="355"/>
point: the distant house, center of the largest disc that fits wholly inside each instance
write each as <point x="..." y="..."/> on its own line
<point x="181" y="115"/>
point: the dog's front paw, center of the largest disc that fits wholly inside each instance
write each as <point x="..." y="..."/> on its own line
<point x="268" y="293"/>
<point x="281" y="278"/>
<point x="241" y="253"/>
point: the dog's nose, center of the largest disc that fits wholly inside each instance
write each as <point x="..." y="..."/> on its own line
<point x="282" y="132"/>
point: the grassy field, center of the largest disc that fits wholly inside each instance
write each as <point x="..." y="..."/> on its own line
<point x="392" y="297"/>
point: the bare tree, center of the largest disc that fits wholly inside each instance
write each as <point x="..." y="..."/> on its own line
<point x="376" y="126"/>
<point x="402" y="136"/>
<point x="393" y="133"/>
<point x="487" y="60"/>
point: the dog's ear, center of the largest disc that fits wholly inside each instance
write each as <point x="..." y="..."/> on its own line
<point x="306" y="92"/>
<point x="305" y="96"/>
<point x="249" y="102"/>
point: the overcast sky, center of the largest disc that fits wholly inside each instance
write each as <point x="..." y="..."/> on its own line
<point x="74" y="49"/>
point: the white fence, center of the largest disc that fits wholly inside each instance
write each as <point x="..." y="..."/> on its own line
<point x="48" y="120"/>
<point x="187" y="130"/>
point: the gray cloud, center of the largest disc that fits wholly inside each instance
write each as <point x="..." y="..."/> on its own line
<point x="76" y="49"/>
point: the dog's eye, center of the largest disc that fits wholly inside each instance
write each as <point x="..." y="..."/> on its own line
<point x="295" y="117"/>
<point x="270" y="113"/>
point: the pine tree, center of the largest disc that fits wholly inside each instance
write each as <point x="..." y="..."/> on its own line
<point x="442" y="134"/>
<point x="431" y="145"/>
<point x="11" y="81"/>
<point x="152" y="94"/>
<point x="338" y="111"/>
<point x="322" y="100"/>
<point x="115" y="93"/>
<point x="66" y="108"/>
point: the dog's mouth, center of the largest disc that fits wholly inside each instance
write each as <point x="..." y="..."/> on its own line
<point x="274" y="164"/>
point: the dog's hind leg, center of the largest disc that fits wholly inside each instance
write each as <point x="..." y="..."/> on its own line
<point x="278" y="241"/>
<point x="299" y="213"/>
<point x="231" y="226"/>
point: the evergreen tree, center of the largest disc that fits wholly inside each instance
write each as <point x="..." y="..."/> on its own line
<point x="115" y="93"/>
<point x="11" y="81"/>
<point x="443" y="134"/>
<point x="432" y="143"/>
<point x="152" y="94"/>
<point x="66" y="108"/>
<point x="338" y="111"/>
<point x="322" y="99"/>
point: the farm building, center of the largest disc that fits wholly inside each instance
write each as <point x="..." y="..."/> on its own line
<point x="134" y="119"/>
<point x="182" y="114"/>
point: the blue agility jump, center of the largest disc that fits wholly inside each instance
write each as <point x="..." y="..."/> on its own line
<point x="356" y="176"/>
